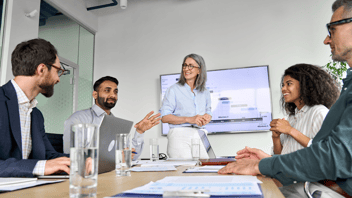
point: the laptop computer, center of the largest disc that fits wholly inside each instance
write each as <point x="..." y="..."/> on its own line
<point x="213" y="160"/>
<point x="109" y="127"/>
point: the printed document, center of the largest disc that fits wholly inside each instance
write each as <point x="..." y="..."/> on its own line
<point x="213" y="185"/>
<point x="204" y="169"/>
<point x="167" y="162"/>
<point x="151" y="167"/>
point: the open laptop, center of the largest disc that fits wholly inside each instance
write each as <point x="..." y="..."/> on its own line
<point x="213" y="160"/>
<point x="109" y="127"/>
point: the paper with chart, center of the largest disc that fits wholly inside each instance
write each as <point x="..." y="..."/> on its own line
<point x="213" y="185"/>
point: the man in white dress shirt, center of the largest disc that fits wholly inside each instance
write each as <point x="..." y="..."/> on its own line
<point x="25" y="148"/>
<point x="105" y="95"/>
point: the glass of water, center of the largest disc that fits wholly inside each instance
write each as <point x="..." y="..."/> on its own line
<point x="154" y="149"/>
<point x="195" y="149"/>
<point x="84" y="160"/>
<point x="83" y="172"/>
<point x="123" y="156"/>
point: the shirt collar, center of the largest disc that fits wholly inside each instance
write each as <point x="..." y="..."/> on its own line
<point x="99" y="111"/>
<point x="304" y="109"/>
<point x="189" y="88"/>
<point x="21" y="96"/>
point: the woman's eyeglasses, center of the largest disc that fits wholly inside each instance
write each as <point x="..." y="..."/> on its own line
<point x="190" y="67"/>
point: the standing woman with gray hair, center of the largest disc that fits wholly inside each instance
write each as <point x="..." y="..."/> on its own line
<point x="186" y="108"/>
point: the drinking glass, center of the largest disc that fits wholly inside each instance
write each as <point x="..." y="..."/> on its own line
<point x="154" y="149"/>
<point x="84" y="160"/>
<point x="123" y="156"/>
<point x="195" y="149"/>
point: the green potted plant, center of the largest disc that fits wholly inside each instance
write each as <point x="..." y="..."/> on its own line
<point x="336" y="70"/>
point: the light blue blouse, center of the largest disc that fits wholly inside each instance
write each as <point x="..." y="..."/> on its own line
<point x="179" y="100"/>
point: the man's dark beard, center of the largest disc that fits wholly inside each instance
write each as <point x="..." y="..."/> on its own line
<point x="105" y="104"/>
<point x="48" y="90"/>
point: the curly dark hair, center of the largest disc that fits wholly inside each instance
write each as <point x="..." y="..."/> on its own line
<point x="316" y="86"/>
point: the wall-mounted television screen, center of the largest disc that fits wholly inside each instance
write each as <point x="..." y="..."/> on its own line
<point x="240" y="99"/>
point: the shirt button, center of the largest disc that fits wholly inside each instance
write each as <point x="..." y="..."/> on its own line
<point x="345" y="88"/>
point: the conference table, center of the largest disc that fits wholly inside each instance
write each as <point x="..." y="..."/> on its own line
<point x="109" y="184"/>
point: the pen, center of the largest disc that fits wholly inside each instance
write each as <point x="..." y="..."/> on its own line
<point x="134" y="152"/>
<point x="229" y="157"/>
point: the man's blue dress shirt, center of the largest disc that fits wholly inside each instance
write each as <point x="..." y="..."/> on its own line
<point x="95" y="115"/>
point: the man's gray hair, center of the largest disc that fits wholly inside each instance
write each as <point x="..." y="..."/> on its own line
<point x="201" y="78"/>
<point x="347" y="5"/>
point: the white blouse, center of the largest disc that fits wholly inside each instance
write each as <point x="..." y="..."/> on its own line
<point x="308" y="121"/>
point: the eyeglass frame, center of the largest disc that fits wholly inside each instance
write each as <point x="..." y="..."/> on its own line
<point x="64" y="71"/>
<point x="190" y="67"/>
<point x="339" y="22"/>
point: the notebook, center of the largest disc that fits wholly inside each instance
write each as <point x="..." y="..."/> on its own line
<point x="109" y="127"/>
<point x="213" y="160"/>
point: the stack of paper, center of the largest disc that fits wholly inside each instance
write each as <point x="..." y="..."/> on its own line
<point x="167" y="162"/>
<point x="204" y="169"/>
<point x="153" y="167"/>
<point x="5" y="181"/>
<point x="15" y="183"/>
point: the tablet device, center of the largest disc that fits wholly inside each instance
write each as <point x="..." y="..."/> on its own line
<point x="213" y="160"/>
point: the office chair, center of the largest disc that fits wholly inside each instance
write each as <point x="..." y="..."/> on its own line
<point x="316" y="194"/>
<point x="328" y="183"/>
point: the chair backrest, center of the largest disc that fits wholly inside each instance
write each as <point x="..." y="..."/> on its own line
<point x="56" y="141"/>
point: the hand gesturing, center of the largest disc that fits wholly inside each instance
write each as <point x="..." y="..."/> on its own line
<point x="148" y="122"/>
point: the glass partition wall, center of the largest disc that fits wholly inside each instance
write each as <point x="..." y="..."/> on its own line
<point x="75" y="46"/>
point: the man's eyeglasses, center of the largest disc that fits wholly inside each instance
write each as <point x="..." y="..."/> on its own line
<point x="60" y="71"/>
<point x="343" y="21"/>
<point x="190" y="67"/>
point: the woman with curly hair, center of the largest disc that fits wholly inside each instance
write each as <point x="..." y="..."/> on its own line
<point x="308" y="92"/>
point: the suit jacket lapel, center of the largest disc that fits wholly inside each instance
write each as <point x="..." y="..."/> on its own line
<point x="13" y="111"/>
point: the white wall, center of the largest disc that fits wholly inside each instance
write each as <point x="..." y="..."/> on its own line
<point x="152" y="37"/>
<point x="17" y="28"/>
